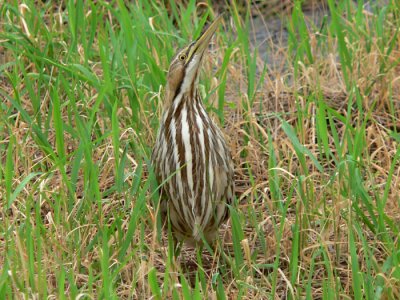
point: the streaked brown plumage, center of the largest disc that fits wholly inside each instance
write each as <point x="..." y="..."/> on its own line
<point x="190" y="156"/>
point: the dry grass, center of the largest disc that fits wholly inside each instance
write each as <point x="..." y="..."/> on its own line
<point x="82" y="225"/>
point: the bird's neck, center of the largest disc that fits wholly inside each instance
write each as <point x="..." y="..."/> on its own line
<point x="190" y="97"/>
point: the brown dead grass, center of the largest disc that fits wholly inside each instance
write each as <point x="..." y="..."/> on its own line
<point x="277" y="98"/>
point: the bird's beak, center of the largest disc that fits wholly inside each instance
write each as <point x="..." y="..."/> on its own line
<point x="202" y="42"/>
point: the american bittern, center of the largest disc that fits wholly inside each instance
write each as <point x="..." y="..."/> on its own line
<point x="190" y="156"/>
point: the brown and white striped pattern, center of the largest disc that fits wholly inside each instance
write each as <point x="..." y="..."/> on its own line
<point x="192" y="160"/>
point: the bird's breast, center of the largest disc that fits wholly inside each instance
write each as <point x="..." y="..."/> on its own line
<point x="194" y="163"/>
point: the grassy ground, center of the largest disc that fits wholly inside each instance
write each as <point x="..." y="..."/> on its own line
<point x="315" y="145"/>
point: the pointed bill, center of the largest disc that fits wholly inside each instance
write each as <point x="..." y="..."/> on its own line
<point x="202" y="42"/>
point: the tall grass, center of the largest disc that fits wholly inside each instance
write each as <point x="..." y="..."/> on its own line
<point x="316" y="152"/>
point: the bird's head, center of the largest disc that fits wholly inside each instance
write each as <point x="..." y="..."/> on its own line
<point x="184" y="69"/>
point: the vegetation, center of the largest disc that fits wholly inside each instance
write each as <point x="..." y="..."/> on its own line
<point x="315" y="140"/>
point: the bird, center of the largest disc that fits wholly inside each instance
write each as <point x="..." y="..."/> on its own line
<point x="191" y="160"/>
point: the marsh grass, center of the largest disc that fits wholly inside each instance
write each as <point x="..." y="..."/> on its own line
<point x="315" y="145"/>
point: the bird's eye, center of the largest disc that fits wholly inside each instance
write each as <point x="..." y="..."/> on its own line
<point x="182" y="56"/>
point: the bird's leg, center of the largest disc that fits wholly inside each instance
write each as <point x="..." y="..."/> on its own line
<point x="226" y="258"/>
<point x="178" y="245"/>
<point x="219" y="252"/>
<point x="174" y="246"/>
<point x="199" y="256"/>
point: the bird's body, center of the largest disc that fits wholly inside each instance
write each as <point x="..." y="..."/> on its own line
<point x="190" y="156"/>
